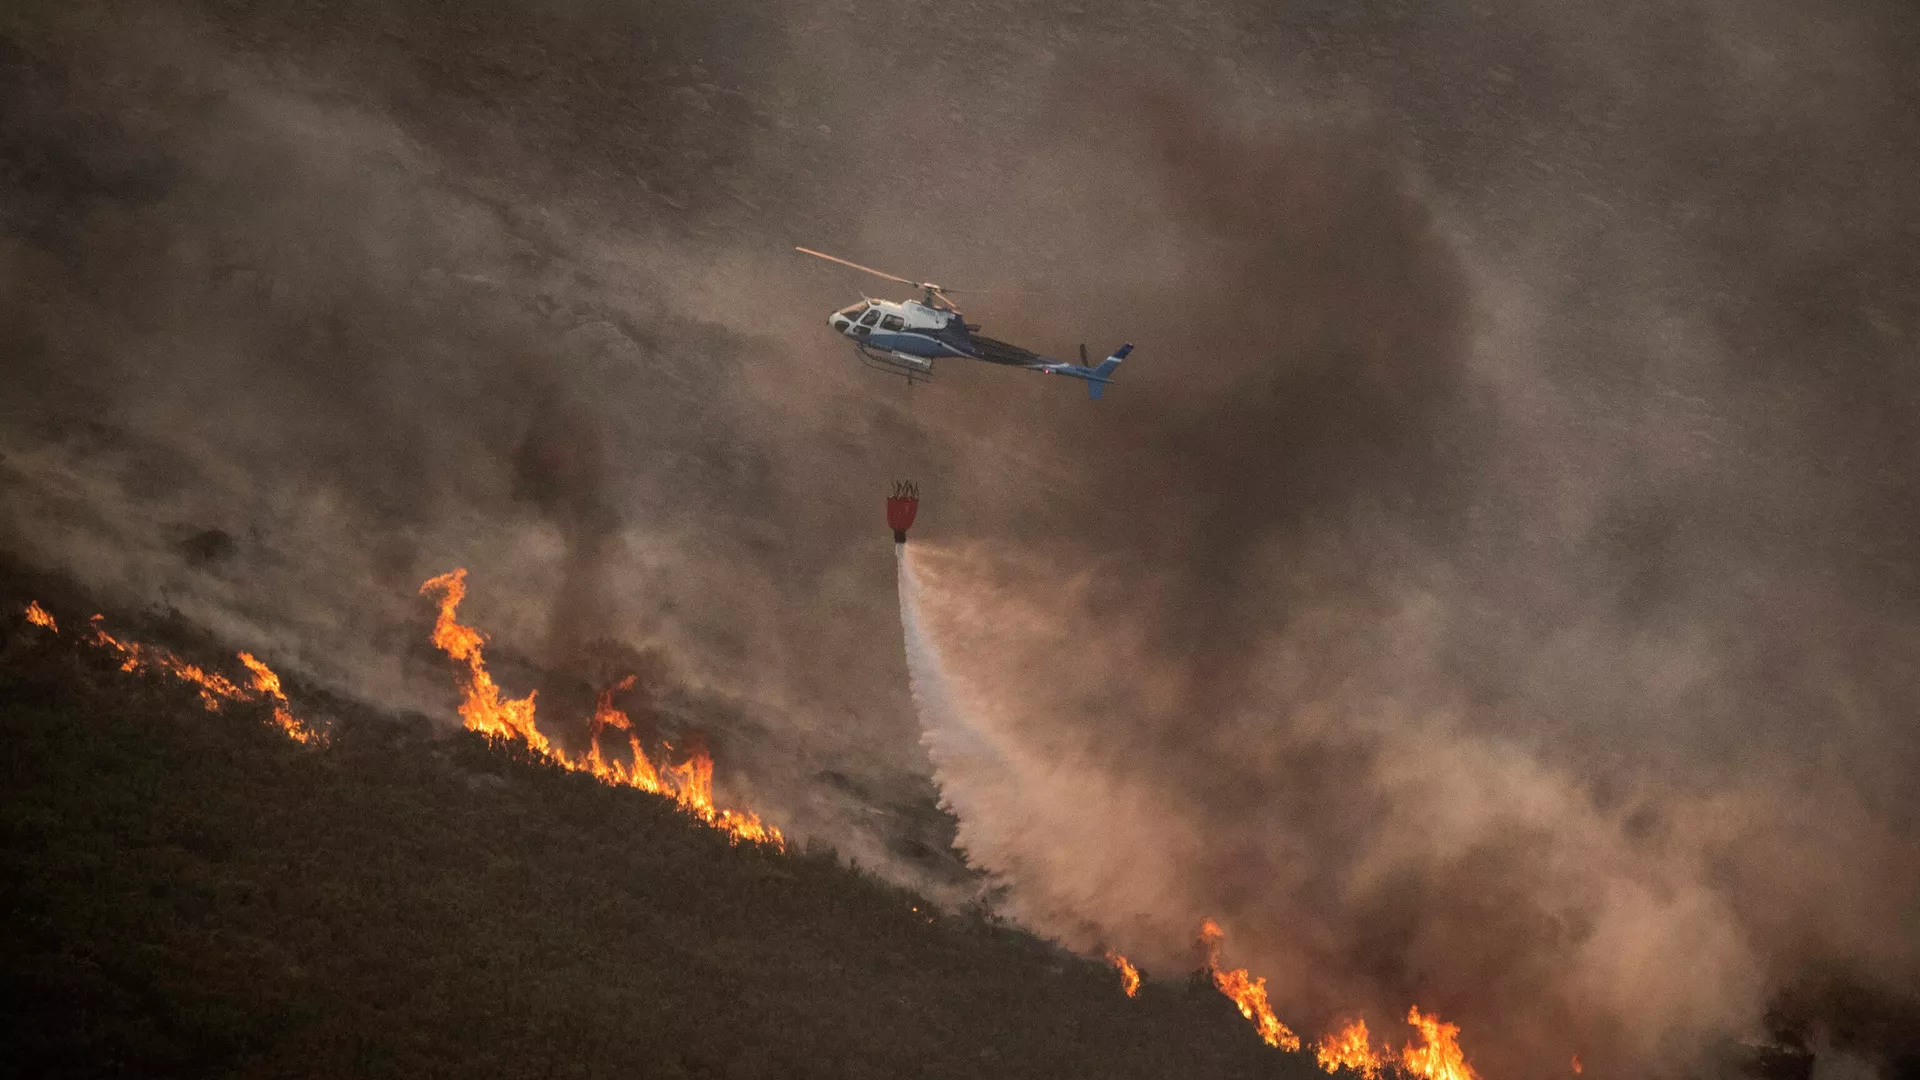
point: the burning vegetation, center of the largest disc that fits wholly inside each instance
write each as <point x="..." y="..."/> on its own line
<point x="1348" y="1048"/>
<point x="1249" y="993"/>
<point x="486" y="710"/>
<point x="267" y="684"/>
<point x="38" y="616"/>
<point x="216" y="690"/>
<point x="1438" y="1057"/>
<point x="202" y="896"/>
<point x="483" y="708"/>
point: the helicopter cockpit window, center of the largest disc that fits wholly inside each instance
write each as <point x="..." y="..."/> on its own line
<point x="891" y="322"/>
<point x="872" y="316"/>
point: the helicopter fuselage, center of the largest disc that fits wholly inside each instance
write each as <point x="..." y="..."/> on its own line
<point x="912" y="334"/>
<point x="905" y="337"/>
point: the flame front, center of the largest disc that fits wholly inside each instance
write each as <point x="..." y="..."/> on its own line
<point x="1348" y="1048"/>
<point x="638" y="772"/>
<point x="693" y="789"/>
<point x="1249" y="993"/>
<point x="690" y="784"/>
<point x="483" y="709"/>
<point x="38" y="616"/>
<point x="215" y="689"/>
<point x="266" y="683"/>
<point x="1439" y="1056"/>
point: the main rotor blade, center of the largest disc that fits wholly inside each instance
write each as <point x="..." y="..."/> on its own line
<point x="868" y="269"/>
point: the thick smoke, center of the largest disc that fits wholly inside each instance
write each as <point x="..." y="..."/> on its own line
<point x="1448" y="632"/>
<point x="561" y="466"/>
<point x="1490" y="585"/>
<point x="246" y="305"/>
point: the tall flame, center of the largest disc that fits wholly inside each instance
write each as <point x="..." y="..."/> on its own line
<point x="1248" y="993"/>
<point x="38" y="616"/>
<point x="639" y="772"/>
<point x="1348" y="1048"/>
<point x="1129" y="975"/>
<point x="693" y="783"/>
<point x="484" y="709"/>
<point x="1439" y="1058"/>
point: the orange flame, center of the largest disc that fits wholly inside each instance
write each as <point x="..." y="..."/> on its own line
<point x="1348" y="1049"/>
<point x="266" y="683"/>
<point x="1577" y="1070"/>
<point x="484" y="709"/>
<point x="1129" y="975"/>
<point x="38" y="616"/>
<point x="215" y="689"/>
<point x="639" y="772"/>
<point x="1248" y="993"/>
<point x="1440" y="1058"/>
<point x="693" y="781"/>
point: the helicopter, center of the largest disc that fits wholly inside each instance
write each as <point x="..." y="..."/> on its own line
<point x="906" y="337"/>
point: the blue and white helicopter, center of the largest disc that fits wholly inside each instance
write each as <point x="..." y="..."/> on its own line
<point x="906" y="337"/>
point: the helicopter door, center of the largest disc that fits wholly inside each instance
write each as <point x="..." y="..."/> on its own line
<point x="866" y="322"/>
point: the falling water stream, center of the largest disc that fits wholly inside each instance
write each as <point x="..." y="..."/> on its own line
<point x="956" y="747"/>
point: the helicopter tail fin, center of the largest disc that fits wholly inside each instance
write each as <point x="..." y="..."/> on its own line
<point x="1099" y="377"/>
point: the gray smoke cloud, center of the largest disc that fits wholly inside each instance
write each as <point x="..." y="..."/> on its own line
<point x="1491" y="584"/>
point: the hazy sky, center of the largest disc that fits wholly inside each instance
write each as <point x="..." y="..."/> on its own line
<point x="1491" y="583"/>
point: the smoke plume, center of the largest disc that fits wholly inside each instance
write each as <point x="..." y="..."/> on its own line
<point x="1491" y="583"/>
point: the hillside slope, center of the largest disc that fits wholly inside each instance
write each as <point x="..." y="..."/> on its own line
<point x="188" y="892"/>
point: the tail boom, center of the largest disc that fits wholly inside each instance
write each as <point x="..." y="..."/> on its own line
<point x="1096" y="377"/>
<point x="1099" y="376"/>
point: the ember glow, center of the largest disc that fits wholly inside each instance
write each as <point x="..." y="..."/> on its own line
<point x="1348" y="1048"/>
<point x="1439" y="1056"/>
<point x="1249" y="993"/>
<point x="1129" y="975"/>
<point x="485" y="710"/>
<point x="38" y="616"/>
<point x="1576" y="1065"/>
<point x="215" y="689"/>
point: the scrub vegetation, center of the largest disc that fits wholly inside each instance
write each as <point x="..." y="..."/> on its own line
<point x="187" y="892"/>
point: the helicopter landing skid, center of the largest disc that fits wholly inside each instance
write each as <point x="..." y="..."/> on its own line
<point x="880" y="361"/>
